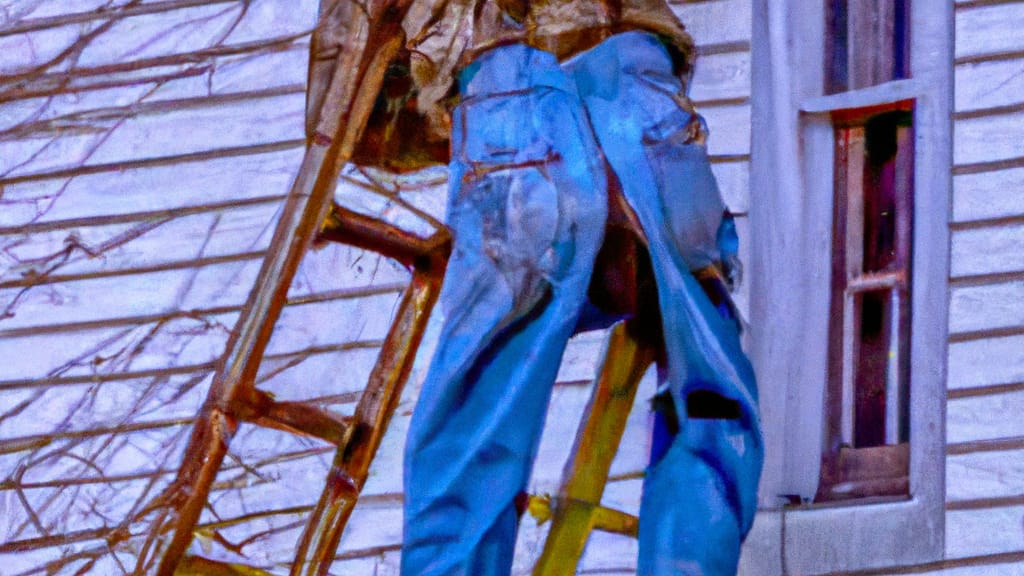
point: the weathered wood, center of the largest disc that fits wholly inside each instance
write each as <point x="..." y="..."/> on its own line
<point x="602" y="518"/>
<point x="984" y="531"/>
<point x="199" y="566"/>
<point x="988" y="195"/>
<point x="729" y="128"/>
<point x="989" y="138"/>
<point x="597" y="441"/>
<point x="986" y="307"/>
<point x="984" y="475"/>
<point x="715" y="22"/>
<point x="319" y="541"/>
<point x="989" y="29"/>
<point x="986" y="362"/>
<point x="987" y="250"/>
<point x="297" y="418"/>
<point x="985" y="417"/>
<point x="354" y="87"/>
<point x="721" y="76"/>
<point x="344" y="225"/>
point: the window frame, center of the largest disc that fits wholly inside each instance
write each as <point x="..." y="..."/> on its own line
<point x="791" y="235"/>
<point x="851" y="472"/>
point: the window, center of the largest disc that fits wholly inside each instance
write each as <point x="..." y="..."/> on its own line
<point x="866" y="439"/>
<point x="866" y="449"/>
<point x="866" y="43"/>
<point x="850" y="190"/>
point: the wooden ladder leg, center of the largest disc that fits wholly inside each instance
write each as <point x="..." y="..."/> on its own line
<point x="357" y="79"/>
<point x="577" y="509"/>
<point x="319" y="541"/>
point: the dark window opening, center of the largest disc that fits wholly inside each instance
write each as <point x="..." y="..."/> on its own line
<point x="867" y="427"/>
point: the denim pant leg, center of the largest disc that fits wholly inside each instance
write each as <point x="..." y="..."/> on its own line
<point x="527" y="206"/>
<point x="699" y="499"/>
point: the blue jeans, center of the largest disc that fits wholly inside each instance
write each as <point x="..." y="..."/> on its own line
<point x="527" y="206"/>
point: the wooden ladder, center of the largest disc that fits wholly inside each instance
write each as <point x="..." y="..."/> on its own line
<point x="576" y="510"/>
<point x="310" y="213"/>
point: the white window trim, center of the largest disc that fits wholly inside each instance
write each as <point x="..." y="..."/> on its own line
<point x="791" y="235"/>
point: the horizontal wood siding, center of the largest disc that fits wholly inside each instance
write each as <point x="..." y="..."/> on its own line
<point x="141" y="178"/>
<point x="984" y="490"/>
<point x="145" y="151"/>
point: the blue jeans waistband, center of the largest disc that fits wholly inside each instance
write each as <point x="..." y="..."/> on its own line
<point x="510" y="68"/>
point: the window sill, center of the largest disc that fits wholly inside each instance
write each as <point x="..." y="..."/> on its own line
<point x="881" y="94"/>
<point x="820" y="539"/>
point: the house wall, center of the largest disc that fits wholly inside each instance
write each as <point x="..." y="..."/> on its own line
<point x="984" y="481"/>
<point x="145" y="148"/>
<point x="984" y="498"/>
<point x="143" y="157"/>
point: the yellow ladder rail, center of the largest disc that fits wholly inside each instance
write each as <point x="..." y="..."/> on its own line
<point x="577" y="509"/>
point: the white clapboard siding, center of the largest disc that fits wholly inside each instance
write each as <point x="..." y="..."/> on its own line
<point x="119" y="249"/>
<point x="987" y="250"/>
<point x="184" y="174"/>
<point x="974" y="476"/>
<point x="742" y="294"/>
<point x="988" y="417"/>
<point x="223" y="71"/>
<point x="267" y="496"/>
<point x="986" y="350"/>
<point x="20" y="12"/>
<point x="721" y="76"/>
<point x="715" y="22"/>
<point x="85" y="406"/>
<point x="193" y="130"/>
<point x="989" y="29"/>
<point x="984" y="531"/>
<point x="729" y="128"/>
<point x="26" y="51"/>
<point x="186" y="340"/>
<point x="148" y="191"/>
<point x="311" y="374"/>
<point x="141" y="180"/>
<point x="989" y="138"/>
<point x="986" y="362"/>
<point x="975" y="83"/>
<point x="988" y="195"/>
<point x="194" y="28"/>
<point x="986" y="307"/>
<point x="609" y="554"/>
<point x="734" y="183"/>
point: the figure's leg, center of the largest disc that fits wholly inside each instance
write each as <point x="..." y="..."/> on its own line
<point x="527" y="209"/>
<point x="700" y="498"/>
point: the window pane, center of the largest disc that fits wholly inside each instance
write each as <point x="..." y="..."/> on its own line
<point x="866" y="43"/>
<point x="878" y="378"/>
<point x="868" y="392"/>
<point x="886" y="201"/>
